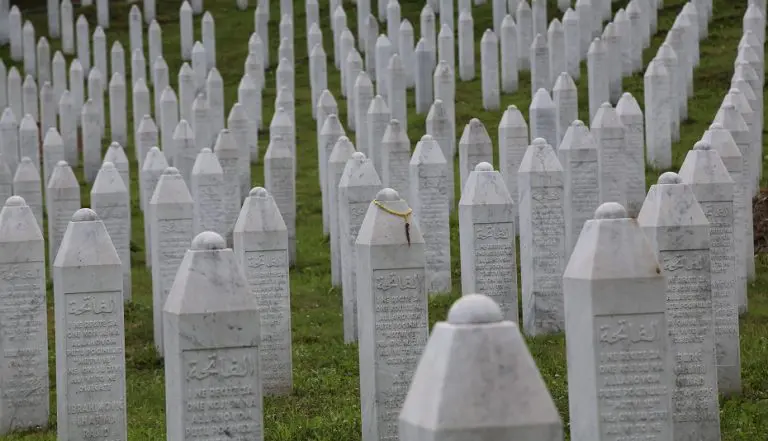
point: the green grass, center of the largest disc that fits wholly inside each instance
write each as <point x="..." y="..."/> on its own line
<point x="325" y="402"/>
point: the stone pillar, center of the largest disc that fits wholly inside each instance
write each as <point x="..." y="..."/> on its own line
<point x="342" y="152"/>
<point x="62" y="199"/>
<point x="513" y="143"/>
<point x="658" y="135"/>
<point x="280" y="181"/>
<point x="466" y="46"/>
<point x="474" y="147"/>
<point x="508" y="40"/>
<point x="395" y="158"/>
<point x="566" y="100"/>
<point x="489" y="70"/>
<point x="109" y="199"/>
<point x="543" y="117"/>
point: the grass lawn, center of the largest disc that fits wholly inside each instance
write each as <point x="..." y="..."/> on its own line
<point x="325" y="402"/>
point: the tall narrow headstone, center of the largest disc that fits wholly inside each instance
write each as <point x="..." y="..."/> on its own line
<point x="474" y="147"/>
<point x="83" y="33"/>
<point x="208" y="32"/>
<point x="395" y="158"/>
<point x="489" y="70"/>
<point x="631" y="116"/>
<point x="146" y="139"/>
<point x="612" y="42"/>
<point x="100" y="54"/>
<point x="658" y="106"/>
<point x="15" y="94"/>
<point x="383" y="54"/>
<point x="618" y="320"/>
<point x="543" y="117"/>
<point x="152" y="169"/>
<point x="9" y="139"/>
<point x="186" y="31"/>
<point x="91" y="136"/>
<point x="397" y="85"/>
<point x="29" y="48"/>
<point x="440" y="127"/>
<point x="96" y="94"/>
<point x="87" y="291"/>
<point x="513" y="143"/>
<point x="573" y="51"/>
<point x="509" y="58"/>
<point x="210" y="296"/>
<point x="43" y="58"/>
<point x="610" y="136"/>
<point x="62" y="199"/>
<point x="29" y="139"/>
<point x="542" y="239"/>
<point x="53" y="152"/>
<point x="566" y="100"/>
<point x="280" y="181"/>
<point x="678" y="231"/>
<point x="239" y="125"/>
<point x="201" y="121"/>
<point x="667" y="57"/>
<point x="116" y="155"/>
<point x="135" y="29"/>
<point x="429" y="197"/>
<point x="539" y="59"/>
<point x="362" y="95"/>
<point x="25" y="338"/>
<point x="391" y="278"/>
<point x="207" y="188"/>
<point x="117" y="58"/>
<point x="525" y="35"/>
<point x="597" y="76"/>
<point x="378" y="119"/>
<point x="406" y="51"/>
<point x="67" y="28"/>
<point x="228" y="153"/>
<point x="466" y="46"/>
<point x="337" y="161"/>
<point x="487" y="239"/>
<point x="261" y="247"/>
<point x="29" y="99"/>
<point x="185" y="149"/>
<point x="68" y="128"/>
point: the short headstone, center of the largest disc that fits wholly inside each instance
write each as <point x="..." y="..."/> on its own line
<point x="200" y="302"/>
<point x="135" y="29"/>
<point x="341" y="153"/>
<point x="362" y="95"/>
<point x="170" y="217"/>
<point x="475" y="146"/>
<point x="539" y="60"/>
<point x="597" y="76"/>
<point x="184" y="148"/>
<point x="62" y="199"/>
<point x="30" y="50"/>
<point x="658" y="108"/>
<point x="566" y="100"/>
<point x="610" y="135"/>
<point x="395" y="158"/>
<point x="261" y="247"/>
<point x="678" y="231"/>
<point x="466" y="46"/>
<point x="714" y="189"/>
<point x="91" y="136"/>
<point x="429" y="196"/>
<point x="542" y="239"/>
<point x="186" y="31"/>
<point x="489" y="70"/>
<point x="440" y="127"/>
<point x="572" y="36"/>
<point x="513" y="143"/>
<point x="100" y="54"/>
<point x="29" y="139"/>
<point x="456" y="349"/>
<point x="608" y="329"/>
<point x="153" y="167"/>
<point x="543" y="117"/>
<point x="487" y="239"/>
<point x="29" y="99"/>
<point x="280" y="181"/>
<point x="207" y="188"/>
<point x="25" y="341"/>
<point x="87" y="287"/>
<point x="117" y="58"/>
<point x="43" y="58"/>
<point x="378" y="119"/>
<point x="578" y="155"/>
<point x="68" y="128"/>
<point x="358" y="186"/>
<point x="391" y="278"/>
<point x="631" y="116"/>
<point x="109" y="199"/>
<point x="67" y="28"/>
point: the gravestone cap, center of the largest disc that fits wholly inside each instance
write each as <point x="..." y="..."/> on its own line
<point x="15" y="201"/>
<point x="542" y="100"/>
<point x="208" y="240"/>
<point x="171" y="171"/>
<point x="564" y="82"/>
<point x="702" y="145"/>
<point x="484" y="167"/>
<point x="611" y="210"/>
<point x="258" y="192"/>
<point x="670" y="178"/>
<point x="472" y="309"/>
<point x="85" y="215"/>
<point x="627" y="105"/>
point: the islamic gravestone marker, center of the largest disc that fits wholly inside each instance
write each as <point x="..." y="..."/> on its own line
<point x="90" y="343"/>
<point x="616" y="333"/>
<point x="392" y="311"/>
<point x="24" y="339"/>
<point x="212" y="335"/>
<point x="487" y="239"/>
<point x="261" y="247"/>
<point x="62" y="199"/>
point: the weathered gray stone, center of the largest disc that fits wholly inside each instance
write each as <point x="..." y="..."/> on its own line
<point x="240" y="127"/>
<point x="393" y="24"/>
<point x="109" y="199"/>
<point x="141" y="105"/>
<point x="467" y="46"/>
<point x="326" y="105"/>
<point x="116" y="155"/>
<point x="358" y="186"/>
<point x="667" y="57"/>
<point x="170" y="217"/>
<point x="261" y="247"/>
<point x="407" y="54"/>
<point x="15" y="34"/>
<point x="427" y="26"/>
<point x="391" y="277"/>
<point x="395" y="158"/>
<point x="25" y="351"/>
<point x="209" y="322"/>
<point x="227" y="151"/>
<point x="249" y="96"/>
<point x="337" y="161"/>
<point x="87" y="287"/>
<point x="474" y="147"/>
<point x="48" y="112"/>
<point x="714" y="189"/>
<point x="199" y="65"/>
<point x="525" y="35"/>
<point x="280" y="181"/>
<point x="168" y="111"/>
<point x="102" y="13"/>
<point x="328" y="136"/>
<point x="453" y="361"/>
<point x="556" y="51"/>
<point x="509" y="58"/>
<point x="338" y="26"/>
<point x="445" y="91"/>
<point x="430" y="197"/>
<point x="214" y="85"/>
<point x="58" y="73"/>
<point x="283" y="129"/>
<point x="261" y="17"/>
<point x="383" y="54"/>
<point x="62" y="199"/>
<point x="678" y="232"/>
<point x="612" y="43"/>
<point x="160" y="80"/>
<point x="318" y="68"/>
<point x="487" y="239"/>
<point x="370" y="45"/>
<point x="53" y="152"/>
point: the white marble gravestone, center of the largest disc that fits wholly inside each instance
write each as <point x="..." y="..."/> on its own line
<point x="610" y="135"/>
<point x="67" y="28"/>
<point x="406" y="51"/>
<point x="395" y="158"/>
<point x="383" y="54"/>
<point x="27" y="184"/>
<point x="186" y="31"/>
<point x="658" y="107"/>
<point x="6" y="179"/>
<point x="328" y="135"/>
<point x="207" y="189"/>
<point x="152" y="168"/>
<point x="440" y="127"/>
<point x="88" y="300"/>
<point x="245" y="136"/>
<point x="135" y="29"/>
<point x="62" y="199"/>
<point x="556" y="49"/>
<point x="678" y="231"/>
<point x="53" y="152"/>
<point x="48" y="110"/>
<point x="487" y="239"/>
<point x="466" y="39"/>
<point x="25" y="405"/>
<point x="513" y="143"/>
<point x="15" y="95"/>
<point x="168" y="114"/>
<point x="109" y="199"/>
<point x="714" y="189"/>
<point x="542" y="239"/>
<point x="201" y="123"/>
<point x="29" y="139"/>
<point x="358" y="186"/>
<point x="362" y="95"/>
<point x="9" y="138"/>
<point x="212" y="329"/>
<point x="423" y="73"/>
<point x="566" y="100"/>
<point x="525" y="35"/>
<point x="337" y="161"/>
<point x="474" y="147"/>
<point x="43" y="58"/>
<point x="170" y="217"/>
<point x="116" y="155"/>
<point x="391" y="278"/>
<point x="29" y="49"/>
<point x="539" y="59"/>
<point x="667" y="57"/>
<point x="228" y="153"/>
<point x="612" y="42"/>
<point x="378" y="119"/>
<point x="185" y="149"/>
<point x="214" y="86"/>
<point x="354" y="66"/>
<point x="597" y="76"/>
<point x="261" y="247"/>
<point x="280" y="181"/>
<point x="29" y="99"/>
<point x="616" y="332"/>
<point x="396" y="93"/>
<point x="543" y="117"/>
<point x="13" y="27"/>
<point x="96" y="94"/>
<point x="430" y="197"/>
<point x="631" y="116"/>
<point x="509" y="47"/>
<point x="117" y="58"/>
<point x="454" y="362"/>
<point x="578" y="155"/>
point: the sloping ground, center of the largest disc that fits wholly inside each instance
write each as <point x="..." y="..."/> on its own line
<point x="325" y="402"/>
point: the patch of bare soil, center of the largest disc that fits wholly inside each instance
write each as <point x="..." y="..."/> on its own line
<point x="760" y="219"/>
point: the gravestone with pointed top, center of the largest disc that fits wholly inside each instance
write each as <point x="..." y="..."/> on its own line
<point x="509" y="58"/>
<point x="197" y="302"/>
<point x="283" y="129"/>
<point x="342" y="152"/>
<point x="15" y="95"/>
<point x="631" y="116"/>
<point x="362" y="94"/>
<point x="612" y="42"/>
<point x="445" y="90"/>
<point x="58" y="74"/>
<point x="678" y="232"/>
<point x="566" y="101"/>
<point x="391" y="278"/>
<point x="430" y="198"/>
<point x="185" y="149"/>
<point x="102" y="13"/>
<point x="597" y="76"/>
<point x="87" y="285"/>
<point x="440" y="127"/>
<point x="139" y="67"/>
<point x="475" y="146"/>
<point x="261" y="17"/>
<point x="746" y="141"/>
<point x="358" y="186"/>
<point x="396" y="93"/>
<point x="48" y="108"/>
<point x="280" y="181"/>
<point x="370" y="45"/>
<point x="199" y="64"/>
<point x="186" y="31"/>
<point x="201" y="121"/>
<point x="489" y="70"/>
<point x="427" y="25"/>
<point x="383" y="54"/>
<point x="378" y="119"/>
<point x="116" y="155"/>
<point x="667" y="57"/>
<point x="100" y="54"/>
<point x="169" y="119"/>
<point x="117" y="58"/>
<point x="29" y="139"/>
<point x="91" y="141"/>
<point x="556" y="50"/>
<point x="15" y="33"/>
<point x="62" y="199"/>
<point x="215" y="95"/>
<point x="513" y="143"/>
<point x="29" y="49"/>
<point x="53" y="152"/>
<point x="153" y="167"/>
<point x="329" y="135"/>
<point x="4" y="85"/>
<point x="543" y="117"/>
<point x="147" y="138"/>
<point x="135" y="29"/>
<point x="487" y="239"/>
<point x="393" y="24"/>
<point x="621" y="324"/>
<point x="250" y="97"/>
<point x="539" y="61"/>
<point x="406" y="51"/>
<point x="227" y="151"/>
<point x="9" y="139"/>
<point x="25" y="342"/>
<point x="142" y="106"/>
<point x="68" y="128"/>
<point x="318" y="68"/>
<point x="658" y="107"/>
<point x="96" y="94"/>
<point x="466" y="46"/>
<point x="395" y="158"/>
<point x="578" y="155"/>
<point x="67" y="28"/>
<point x="613" y="160"/>
<point x="160" y="80"/>
<point x="43" y="58"/>
<point x="29" y="99"/>
<point x="261" y="247"/>
<point x="239" y="125"/>
<point x="207" y="188"/>
<point x="109" y="199"/>
<point x="170" y="216"/>
<point x="714" y="189"/>
<point x="208" y="29"/>
<point x="326" y="105"/>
